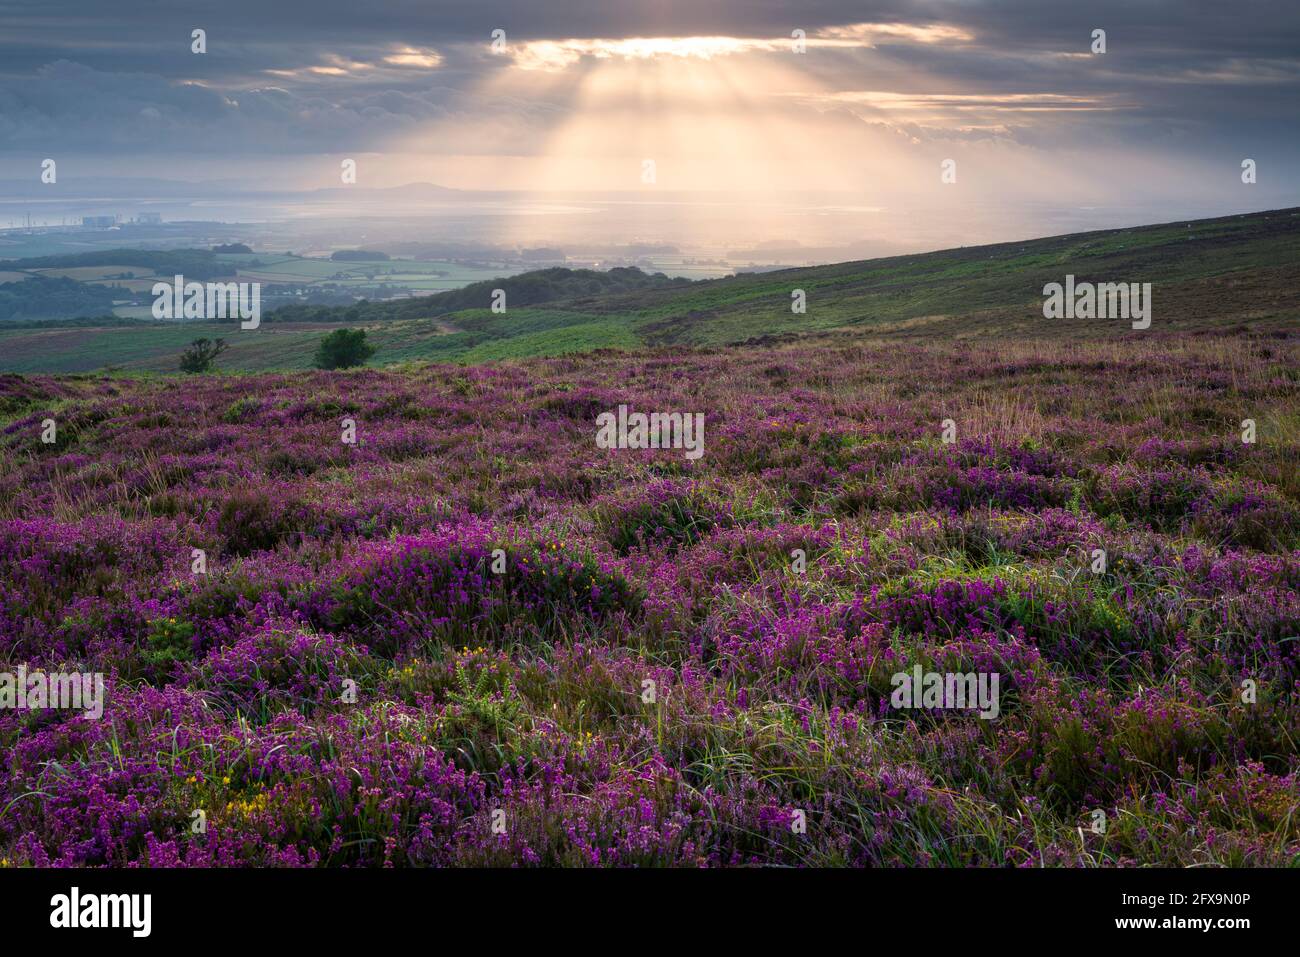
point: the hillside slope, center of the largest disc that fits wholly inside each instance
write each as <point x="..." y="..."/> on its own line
<point x="1241" y="269"/>
<point x="1214" y="274"/>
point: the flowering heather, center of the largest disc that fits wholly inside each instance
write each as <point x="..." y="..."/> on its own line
<point x="475" y="637"/>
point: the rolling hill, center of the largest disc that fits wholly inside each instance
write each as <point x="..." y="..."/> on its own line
<point x="1221" y="274"/>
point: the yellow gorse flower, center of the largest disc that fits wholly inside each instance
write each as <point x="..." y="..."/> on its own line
<point x="259" y="802"/>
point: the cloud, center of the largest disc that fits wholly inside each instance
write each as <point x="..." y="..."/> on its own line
<point x="411" y="56"/>
<point x="553" y="55"/>
<point x="68" y="106"/>
<point x="335" y="77"/>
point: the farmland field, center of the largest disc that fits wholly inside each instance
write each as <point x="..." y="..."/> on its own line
<point x="474" y="614"/>
<point x="297" y="271"/>
<point x="435" y="275"/>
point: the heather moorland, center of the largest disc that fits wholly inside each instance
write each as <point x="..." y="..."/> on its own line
<point x="472" y="636"/>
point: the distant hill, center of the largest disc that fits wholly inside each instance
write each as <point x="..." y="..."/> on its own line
<point x="1227" y="274"/>
<point x="39" y="297"/>
<point x="198" y="264"/>
<point x="534" y="288"/>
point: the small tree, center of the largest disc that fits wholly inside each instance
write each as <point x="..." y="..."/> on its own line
<point x="201" y="354"/>
<point x="343" y="349"/>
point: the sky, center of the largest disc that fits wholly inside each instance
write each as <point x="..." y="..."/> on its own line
<point x="748" y="96"/>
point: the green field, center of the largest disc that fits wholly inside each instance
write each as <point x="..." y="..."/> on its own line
<point x="421" y="276"/>
<point x="1227" y="273"/>
<point x="434" y="276"/>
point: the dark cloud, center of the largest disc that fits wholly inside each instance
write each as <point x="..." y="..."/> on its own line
<point x="248" y="32"/>
<point x="89" y="76"/>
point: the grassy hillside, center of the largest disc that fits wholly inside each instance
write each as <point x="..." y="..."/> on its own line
<point x="1238" y="271"/>
<point x="1204" y="273"/>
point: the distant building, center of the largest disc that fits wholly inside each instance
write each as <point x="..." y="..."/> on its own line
<point x="149" y="219"/>
<point x="99" y="221"/>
